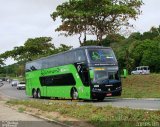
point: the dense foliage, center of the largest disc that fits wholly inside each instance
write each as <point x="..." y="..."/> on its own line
<point x="136" y="50"/>
<point x="33" y="48"/>
<point x="139" y="49"/>
<point x="95" y="17"/>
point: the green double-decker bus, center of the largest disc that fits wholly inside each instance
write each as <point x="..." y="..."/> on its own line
<point x="89" y="72"/>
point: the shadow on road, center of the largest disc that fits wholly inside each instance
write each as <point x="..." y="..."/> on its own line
<point x="1" y="84"/>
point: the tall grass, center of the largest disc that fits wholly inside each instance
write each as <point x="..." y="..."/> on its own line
<point x="141" y="86"/>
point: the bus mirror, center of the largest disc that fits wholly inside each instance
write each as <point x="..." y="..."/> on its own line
<point x="91" y="72"/>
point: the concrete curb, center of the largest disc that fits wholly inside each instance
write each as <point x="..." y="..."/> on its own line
<point x="47" y="119"/>
<point x="43" y="118"/>
<point x="150" y="99"/>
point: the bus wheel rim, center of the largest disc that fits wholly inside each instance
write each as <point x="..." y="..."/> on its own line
<point x="39" y="94"/>
<point x="75" y="95"/>
<point x="35" y="94"/>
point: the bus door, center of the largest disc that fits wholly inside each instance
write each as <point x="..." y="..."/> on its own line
<point x="83" y="83"/>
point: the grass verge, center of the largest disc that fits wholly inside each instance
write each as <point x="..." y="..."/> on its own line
<point x="97" y="116"/>
<point x="141" y="86"/>
<point x="21" y="109"/>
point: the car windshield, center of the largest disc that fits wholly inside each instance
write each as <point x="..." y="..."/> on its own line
<point x="15" y="81"/>
<point x="102" y="56"/>
<point x="22" y="83"/>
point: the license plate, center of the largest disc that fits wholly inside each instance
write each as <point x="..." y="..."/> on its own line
<point x="109" y="94"/>
<point x="108" y="85"/>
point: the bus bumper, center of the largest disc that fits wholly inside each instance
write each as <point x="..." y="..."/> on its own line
<point x="97" y="93"/>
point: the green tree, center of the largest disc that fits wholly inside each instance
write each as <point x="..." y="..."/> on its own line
<point x="95" y="17"/>
<point x="135" y="36"/>
<point x="147" y="53"/>
<point x="151" y="34"/>
<point x="112" y="38"/>
<point x="33" y="49"/>
<point x="1" y="62"/>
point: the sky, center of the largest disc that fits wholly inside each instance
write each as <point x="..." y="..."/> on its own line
<point x="23" y="19"/>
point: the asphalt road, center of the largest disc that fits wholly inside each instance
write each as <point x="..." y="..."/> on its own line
<point x="10" y="117"/>
<point x="12" y="92"/>
<point x="148" y="104"/>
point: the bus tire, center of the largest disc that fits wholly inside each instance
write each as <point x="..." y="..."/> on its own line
<point x="39" y="94"/>
<point x="101" y="98"/>
<point x="74" y="94"/>
<point x="34" y="93"/>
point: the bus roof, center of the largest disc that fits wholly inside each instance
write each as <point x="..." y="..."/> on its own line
<point x="91" y="47"/>
<point x="79" y="48"/>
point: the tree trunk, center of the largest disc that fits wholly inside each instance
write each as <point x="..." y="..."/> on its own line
<point x="80" y="42"/>
<point x="99" y="39"/>
<point x="85" y="35"/>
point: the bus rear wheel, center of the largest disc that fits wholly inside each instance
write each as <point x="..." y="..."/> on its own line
<point x="74" y="94"/>
<point x="34" y="93"/>
<point x="39" y="94"/>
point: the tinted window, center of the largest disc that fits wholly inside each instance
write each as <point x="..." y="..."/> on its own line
<point x="58" y="80"/>
<point x="146" y="68"/>
<point x="57" y="60"/>
<point x="33" y="66"/>
<point x="100" y="75"/>
<point x="69" y="57"/>
<point x="102" y="56"/>
<point x="113" y="75"/>
<point x="80" y="56"/>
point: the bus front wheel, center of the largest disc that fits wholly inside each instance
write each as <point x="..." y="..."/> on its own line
<point x="74" y="94"/>
<point x="101" y="98"/>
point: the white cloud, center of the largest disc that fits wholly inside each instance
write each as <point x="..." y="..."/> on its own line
<point x="149" y="17"/>
<point x="23" y="19"/>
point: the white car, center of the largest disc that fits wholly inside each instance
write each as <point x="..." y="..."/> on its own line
<point x="21" y="85"/>
<point x="141" y="70"/>
<point x="14" y="82"/>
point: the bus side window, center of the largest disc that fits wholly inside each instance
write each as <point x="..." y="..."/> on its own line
<point x="79" y="56"/>
<point x="58" y="80"/>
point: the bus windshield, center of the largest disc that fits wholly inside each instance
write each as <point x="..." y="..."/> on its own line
<point x="102" y="56"/>
<point x="102" y="73"/>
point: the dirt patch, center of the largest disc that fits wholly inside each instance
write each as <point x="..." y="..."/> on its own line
<point x="52" y="116"/>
